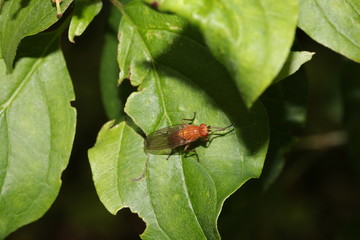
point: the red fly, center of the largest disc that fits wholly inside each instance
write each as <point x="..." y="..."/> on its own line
<point x="179" y="135"/>
<point x="166" y="140"/>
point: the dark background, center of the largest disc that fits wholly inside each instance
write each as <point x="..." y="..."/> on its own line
<point x="316" y="196"/>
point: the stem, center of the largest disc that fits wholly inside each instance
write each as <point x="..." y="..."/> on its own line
<point x="59" y="14"/>
<point x="118" y="5"/>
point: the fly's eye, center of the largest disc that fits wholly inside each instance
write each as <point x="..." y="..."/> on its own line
<point x="204" y="130"/>
<point x="204" y="133"/>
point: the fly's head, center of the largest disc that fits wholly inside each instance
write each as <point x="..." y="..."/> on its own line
<point x="204" y="130"/>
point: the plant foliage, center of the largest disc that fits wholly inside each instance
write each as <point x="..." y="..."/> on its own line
<point x="215" y="58"/>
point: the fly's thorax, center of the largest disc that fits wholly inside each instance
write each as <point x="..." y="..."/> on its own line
<point x="190" y="133"/>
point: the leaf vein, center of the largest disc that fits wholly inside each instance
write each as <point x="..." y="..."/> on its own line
<point x="349" y="40"/>
<point x="152" y="204"/>
<point x="157" y="80"/>
<point x="186" y="191"/>
<point x="354" y="8"/>
<point x="7" y="158"/>
<point x="117" y="168"/>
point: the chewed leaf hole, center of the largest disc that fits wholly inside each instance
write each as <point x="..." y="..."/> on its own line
<point x="131" y="224"/>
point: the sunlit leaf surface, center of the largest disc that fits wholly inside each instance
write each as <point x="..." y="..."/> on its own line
<point x="37" y="126"/>
<point x="84" y="13"/>
<point x="19" y="19"/>
<point x="334" y="24"/>
<point x="251" y="38"/>
<point x="178" y="76"/>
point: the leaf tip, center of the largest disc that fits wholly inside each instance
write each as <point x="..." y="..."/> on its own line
<point x="71" y="38"/>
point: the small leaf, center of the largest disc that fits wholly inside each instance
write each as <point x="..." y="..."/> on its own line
<point x="178" y="76"/>
<point x="19" y="19"/>
<point x="37" y="126"/>
<point x="251" y="38"/>
<point x="335" y="24"/>
<point x="112" y="98"/>
<point x="293" y="63"/>
<point x="84" y="13"/>
<point x="133" y="54"/>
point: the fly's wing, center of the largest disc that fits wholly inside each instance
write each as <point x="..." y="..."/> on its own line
<point x="165" y="138"/>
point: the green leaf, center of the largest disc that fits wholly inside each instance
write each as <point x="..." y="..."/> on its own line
<point x="177" y="76"/>
<point x="37" y="126"/>
<point x="1" y="4"/>
<point x="115" y="160"/>
<point x="84" y="13"/>
<point x="251" y="38"/>
<point x="109" y="68"/>
<point x="335" y="24"/>
<point x="293" y="63"/>
<point x="19" y="19"/>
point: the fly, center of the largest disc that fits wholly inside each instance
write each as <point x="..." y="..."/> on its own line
<point x="170" y="138"/>
<point x="166" y="140"/>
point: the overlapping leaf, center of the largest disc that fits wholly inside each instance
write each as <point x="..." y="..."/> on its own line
<point x="294" y="61"/>
<point x="251" y="38"/>
<point x="177" y="76"/>
<point x="334" y="24"/>
<point x="84" y="13"/>
<point x="109" y="68"/>
<point x="37" y="127"/>
<point x="19" y="19"/>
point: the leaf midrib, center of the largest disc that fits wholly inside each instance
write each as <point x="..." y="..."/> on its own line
<point x="188" y="196"/>
<point x="22" y="85"/>
<point x="27" y="77"/>
<point x="158" y="86"/>
<point x="123" y="12"/>
<point x="348" y="39"/>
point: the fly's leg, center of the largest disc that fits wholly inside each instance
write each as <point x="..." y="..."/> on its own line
<point x="195" y="153"/>
<point x="189" y="119"/>
<point x="191" y="150"/>
<point x="207" y="140"/>
<point x="171" y="153"/>
<point x="144" y="171"/>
